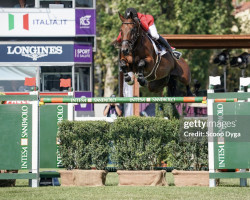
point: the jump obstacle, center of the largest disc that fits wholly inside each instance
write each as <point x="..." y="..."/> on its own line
<point x="134" y="100"/>
<point x="225" y="152"/>
<point x="29" y="155"/>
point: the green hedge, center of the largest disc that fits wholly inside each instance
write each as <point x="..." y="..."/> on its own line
<point x="134" y="143"/>
<point x="188" y="152"/>
<point x="138" y="142"/>
<point x="166" y="110"/>
<point x="84" y="144"/>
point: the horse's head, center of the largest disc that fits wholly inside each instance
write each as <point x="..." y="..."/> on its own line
<point x="129" y="34"/>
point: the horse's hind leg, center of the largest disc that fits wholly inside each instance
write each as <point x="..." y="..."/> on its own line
<point x="189" y="93"/>
<point x="183" y="73"/>
<point x="157" y="85"/>
<point x="172" y="86"/>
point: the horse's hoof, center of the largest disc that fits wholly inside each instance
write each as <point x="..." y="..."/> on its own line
<point x="127" y="79"/>
<point x="142" y="82"/>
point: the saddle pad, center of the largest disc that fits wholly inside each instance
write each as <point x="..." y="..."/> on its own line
<point x="157" y="51"/>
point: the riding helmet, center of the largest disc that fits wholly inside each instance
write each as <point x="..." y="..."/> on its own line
<point x="130" y="13"/>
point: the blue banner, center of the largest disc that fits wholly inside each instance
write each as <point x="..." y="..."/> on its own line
<point x="37" y="53"/>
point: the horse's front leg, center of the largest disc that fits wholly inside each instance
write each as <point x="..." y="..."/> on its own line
<point x="141" y="65"/>
<point x="124" y="67"/>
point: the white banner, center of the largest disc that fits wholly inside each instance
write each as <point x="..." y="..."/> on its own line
<point x="37" y="22"/>
<point x="214" y="80"/>
<point x="244" y="81"/>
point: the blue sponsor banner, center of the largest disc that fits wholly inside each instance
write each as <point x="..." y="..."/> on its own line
<point x="37" y="53"/>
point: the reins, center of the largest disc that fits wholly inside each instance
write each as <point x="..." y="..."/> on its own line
<point x="132" y="42"/>
<point x="152" y="75"/>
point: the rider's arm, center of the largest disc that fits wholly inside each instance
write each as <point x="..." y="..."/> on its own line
<point x="143" y="22"/>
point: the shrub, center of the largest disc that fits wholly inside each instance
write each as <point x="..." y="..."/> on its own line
<point x="188" y="152"/>
<point x="166" y="110"/>
<point x="138" y="141"/>
<point x="84" y="143"/>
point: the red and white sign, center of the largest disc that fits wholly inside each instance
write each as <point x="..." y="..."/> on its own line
<point x="17" y="102"/>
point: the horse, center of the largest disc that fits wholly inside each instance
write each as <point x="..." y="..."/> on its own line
<point x="137" y="55"/>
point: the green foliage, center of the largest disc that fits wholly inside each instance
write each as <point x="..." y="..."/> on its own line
<point x="187" y="152"/>
<point x="1" y="93"/>
<point x="139" y="141"/>
<point x="84" y="143"/>
<point x="204" y="17"/>
<point x="166" y="110"/>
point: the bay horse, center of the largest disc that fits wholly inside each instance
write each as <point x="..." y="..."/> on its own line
<point x="137" y="55"/>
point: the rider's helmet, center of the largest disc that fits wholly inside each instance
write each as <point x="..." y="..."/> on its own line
<point x="131" y="13"/>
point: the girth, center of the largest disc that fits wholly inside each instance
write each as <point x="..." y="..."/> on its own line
<point x="152" y="75"/>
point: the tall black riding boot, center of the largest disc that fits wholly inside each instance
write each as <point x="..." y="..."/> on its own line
<point x="176" y="55"/>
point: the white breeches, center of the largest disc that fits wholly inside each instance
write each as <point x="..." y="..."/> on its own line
<point x="153" y="32"/>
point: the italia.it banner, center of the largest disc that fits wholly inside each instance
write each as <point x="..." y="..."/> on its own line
<point x="47" y="22"/>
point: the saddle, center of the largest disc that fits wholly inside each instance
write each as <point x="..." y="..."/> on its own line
<point x="159" y="49"/>
<point x="162" y="50"/>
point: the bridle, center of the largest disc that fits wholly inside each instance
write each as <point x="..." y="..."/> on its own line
<point x="132" y="42"/>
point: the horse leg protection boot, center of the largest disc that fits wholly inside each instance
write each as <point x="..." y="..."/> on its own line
<point x="123" y="67"/>
<point x="141" y="79"/>
<point x="176" y="54"/>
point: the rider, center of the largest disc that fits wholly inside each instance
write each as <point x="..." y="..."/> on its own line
<point x="147" y="22"/>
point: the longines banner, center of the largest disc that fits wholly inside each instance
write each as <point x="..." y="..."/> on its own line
<point x="45" y="52"/>
<point x="47" y="22"/>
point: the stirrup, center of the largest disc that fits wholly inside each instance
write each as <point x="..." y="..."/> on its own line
<point x="177" y="54"/>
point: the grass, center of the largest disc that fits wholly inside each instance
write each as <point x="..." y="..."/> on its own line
<point x="228" y="189"/>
